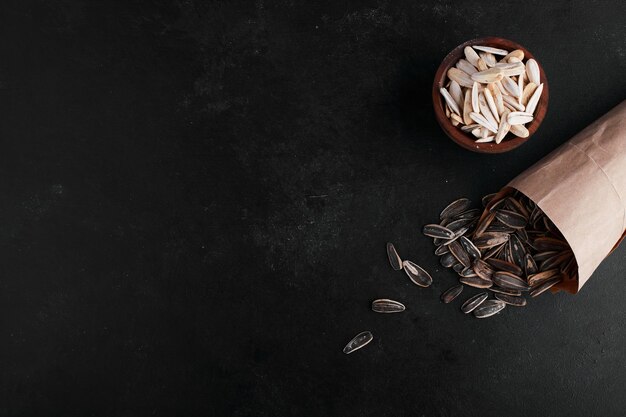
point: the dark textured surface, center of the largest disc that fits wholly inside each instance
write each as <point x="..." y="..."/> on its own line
<point x="196" y="196"/>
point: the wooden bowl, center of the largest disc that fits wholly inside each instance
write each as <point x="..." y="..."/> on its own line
<point x="466" y="140"/>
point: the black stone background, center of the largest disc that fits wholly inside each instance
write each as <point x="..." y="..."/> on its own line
<point x="195" y="198"/>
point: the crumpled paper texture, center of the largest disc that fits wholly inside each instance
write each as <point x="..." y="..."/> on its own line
<point x="581" y="187"/>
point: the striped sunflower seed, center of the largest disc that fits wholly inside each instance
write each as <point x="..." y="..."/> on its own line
<point x="456" y="249"/>
<point x="447" y="260"/>
<point x="417" y="274"/>
<point x="482" y="269"/>
<point x="502" y="265"/>
<point x="490" y="239"/>
<point x="358" y="342"/>
<point x="509" y="281"/>
<point x="498" y="290"/>
<point x="385" y="305"/>
<point x="438" y="231"/>
<point x="536" y="279"/>
<point x="511" y="218"/>
<point x="441" y="250"/>
<point x="473" y="302"/>
<point x="488" y="308"/>
<point x="530" y="266"/>
<point x="510" y="300"/>
<point x="470" y="248"/>
<point x="541" y="288"/>
<point x="476" y="282"/>
<point x="451" y="293"/>
<point x="455" y="208"/>
<point x="394" y="258"/>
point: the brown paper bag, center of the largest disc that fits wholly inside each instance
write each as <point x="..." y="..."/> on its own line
<point x="581" y="187"/>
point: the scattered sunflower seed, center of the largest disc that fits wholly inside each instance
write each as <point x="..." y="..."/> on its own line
<point x="394" y="258"/>
<point x="384" y="305"/>
<point x="417" y="274"/>
<point x="358" y="342"/>
<point x="449" y="295"/>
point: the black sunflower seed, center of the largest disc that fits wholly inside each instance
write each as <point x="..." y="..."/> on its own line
<point x="509" y="281"/>
<point x="482" y="269"/>
<point x="451" y="293"/>
<point x="511" y="218"/>
<point x="468" y="272"/>
<point x="456" y="249"/>
<point x="443" y="249"/>
<point x="417" y="274"/>
<point x="496" y="289"/>
<point x="530" y="266"/>
<point x="489" y="308"/>
<point x="484" y="224"/>
<point x="501" y="265"/>
<point x="490" y="239"/>
<point x="385" y="305"/>
<point x="518" y="252"/>
<point x="447" y="260"/>
<point x="394" y="258"/>
<point x="456" y="207"/>
<point x="437" y="231"/>
<point x="536" y="279"/>
<point x="470" y="248"/>
<point x="486" y="199"/>
<point x="473" y="302"/>
<point x="469" y="214"/>
<point x="550" y="244"/>
<point x="510" y="300"/>
<point x="540" y="289"/>
<point x="476" y="282"/>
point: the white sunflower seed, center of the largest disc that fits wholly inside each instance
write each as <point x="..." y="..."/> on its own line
<point x="519" y="131"/>
<point x="495" y="51"/>
<point x="527" y="93"/>
<point x="482" y="65"/>
<point x="497" y="95"/>
<point x="511" y="69"/>
<point x="503" y="128"/>
<point x="466" y="67"/>
<point x="471" y="55"/>
<point x="491" y="103"/>
<point x="485" y="140"/>
<point x="478" y="118"/>
<point x="484" y="110"/>
<point x="532" y="70"/>
<point x="456" y="93"/>
<point x="467" y="108"/>
<point x="487" y="76"/>
<point x="534" y="100"/>
<point x="460" y="77"/>
<point x="513" y="103"/>
<point x="469" y="127"/>
<point x="475" y="91"/>
<point x="517" y="54"/>
<point x="510" y="86"/>
<point x="453" y="106"/>
<point x="488" y="58"/>
<point x="519" y="118"/>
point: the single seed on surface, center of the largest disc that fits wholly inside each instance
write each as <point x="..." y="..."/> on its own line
<point x="358" y="342"/>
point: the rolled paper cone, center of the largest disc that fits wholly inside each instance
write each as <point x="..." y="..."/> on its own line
<point x="581" y="187"/>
